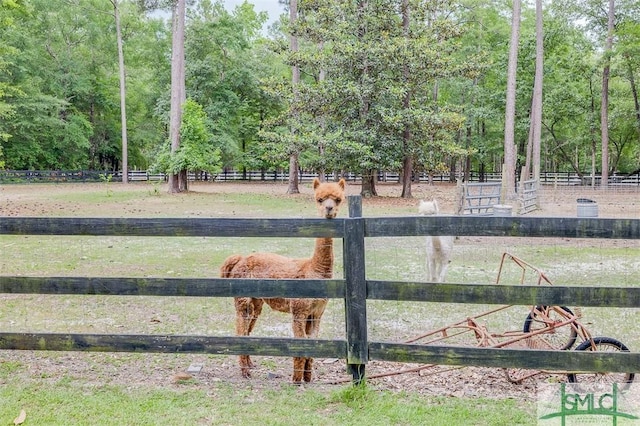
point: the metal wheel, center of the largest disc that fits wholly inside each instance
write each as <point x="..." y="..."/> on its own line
<point x="602" y="344"/>
<point x="545" y="317"/>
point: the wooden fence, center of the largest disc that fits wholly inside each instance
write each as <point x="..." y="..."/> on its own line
<point x="355" y="289"/>
<point x="58" y="176"/>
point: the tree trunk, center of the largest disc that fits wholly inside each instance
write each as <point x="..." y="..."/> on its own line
<point x="604" y="108"/>
<point x="592" y="134"/>
<point x="178" y="93"/>
<point x="183" y="181"/>
<point x="525" y="172"/>
<point x="469" y="133"/>
<point x="369" y="184"/>
<point x="508" y="192"/>
<point x="536" y="122"/>
<point x="322" y="75"/>
<point x="123" y="95"/>
<point x="634" y="91"/>
<point x="295" y="81"/>
<point x="368" y="188"/>
<point x="407" y="172"/>
<point x="293" y="175"/>
<point x="407" y="162"/>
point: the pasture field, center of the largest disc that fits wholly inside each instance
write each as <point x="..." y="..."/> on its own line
<point x="151" y="388"/>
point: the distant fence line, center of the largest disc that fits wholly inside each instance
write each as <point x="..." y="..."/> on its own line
<point x="46" y="176"/>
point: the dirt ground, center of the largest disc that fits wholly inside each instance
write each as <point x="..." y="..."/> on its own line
<point x="23" y="200"/>
<point x="554" y="201"/>
<point x="197" y="370"/>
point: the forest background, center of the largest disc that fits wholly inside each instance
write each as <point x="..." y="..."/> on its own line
<point x="377" y="89"/>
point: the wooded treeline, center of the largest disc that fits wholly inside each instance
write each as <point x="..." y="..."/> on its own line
<point x="398" y="85"/>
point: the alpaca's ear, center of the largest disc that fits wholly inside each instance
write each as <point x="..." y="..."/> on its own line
<point x="316" y="182"/>
<point x="342" y="183"/>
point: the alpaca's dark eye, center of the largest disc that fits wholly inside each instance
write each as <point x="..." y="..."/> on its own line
<point x="320" y="200"/>
<point x="338" y="200"/>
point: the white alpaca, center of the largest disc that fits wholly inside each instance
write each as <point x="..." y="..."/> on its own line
<point x="439" y="248"/>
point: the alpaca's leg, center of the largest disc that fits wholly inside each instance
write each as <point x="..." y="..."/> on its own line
<point x="247" y="312"/>
<point x="299" y="365"/>
<point x="444" y="249"/>
<point x="438" y="259"/>
<point x="428" y="263"/>
<point x="437" y="262"/>
<point x="312" y="329"/>
<point x="257" y="310"/>
<point x="308" y="370"/>
<point x="431" y="261"/>
<point x="443" y="271"/>
<point x="299" y="326"/>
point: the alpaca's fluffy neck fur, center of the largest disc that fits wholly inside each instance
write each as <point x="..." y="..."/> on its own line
<point x="322" y="259"/>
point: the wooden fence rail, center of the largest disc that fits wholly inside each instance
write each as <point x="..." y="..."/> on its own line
<point x="354" y="289"/>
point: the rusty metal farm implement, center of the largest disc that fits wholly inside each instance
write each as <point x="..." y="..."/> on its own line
<point x="545" y="327"/>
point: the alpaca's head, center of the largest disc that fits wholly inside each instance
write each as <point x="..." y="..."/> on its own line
<point x="329" y="196"/>
<point x="428" y="208"/>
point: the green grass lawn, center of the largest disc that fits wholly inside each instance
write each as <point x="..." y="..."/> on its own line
<point x="67" y="402"/>
<point x="92" y="396"/>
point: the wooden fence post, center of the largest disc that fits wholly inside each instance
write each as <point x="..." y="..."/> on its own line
<point x="355" y="291"/>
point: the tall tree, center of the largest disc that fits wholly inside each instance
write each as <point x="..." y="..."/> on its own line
<point x="123" y="93"/>
<point x="509" y="167"/>
<point x="295" y="82"/>
<point x="376" y="100"/>
<point x="407" y="161"/>
<point x="537" y="92"/>
<point x="177" y="180"/>
<point x="604" y="104"/>
<point x="532" y="161"/>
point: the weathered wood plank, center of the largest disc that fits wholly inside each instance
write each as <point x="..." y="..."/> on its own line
<point x="312" y="228"/>
<point x="622" y="297"/>
<point x="173" y="227"/>
<point x="201" y="287"/>
<point x="489" y="226"/>
<point x="624" y="362"/>
<point x="355" y="289"/>
<point x="628" y="297"/>
<point x="264" y="346"/>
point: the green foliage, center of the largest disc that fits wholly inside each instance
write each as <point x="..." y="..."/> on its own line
<point x="372" y="93"/>
<point x="376" y="105"/>
<point x="196" y="151"/>
<point x="227" y="63"/>
<point x="9" y="11"/>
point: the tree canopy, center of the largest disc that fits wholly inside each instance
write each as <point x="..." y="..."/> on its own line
<point x="391" y="85"/>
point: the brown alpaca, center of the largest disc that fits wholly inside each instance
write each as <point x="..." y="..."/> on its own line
<point x="306" y="312"/>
